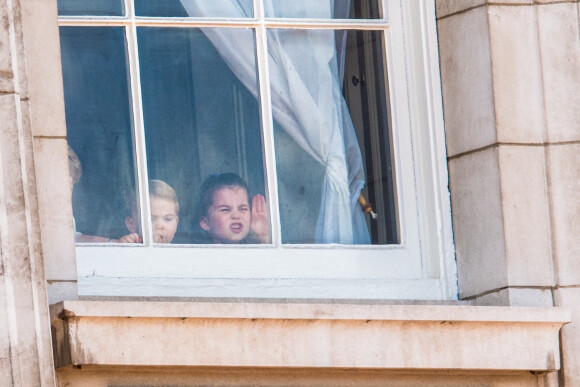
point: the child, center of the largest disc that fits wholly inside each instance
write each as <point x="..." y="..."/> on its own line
<point x="164" y="214"/>
<point x="75" y="171"/>
<point x="164" y="210"/>
<point x="224" y="211"/>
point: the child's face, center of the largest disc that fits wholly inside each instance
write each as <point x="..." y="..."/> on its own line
<point x="229" y="217"/>
<point x="164" y="219"/>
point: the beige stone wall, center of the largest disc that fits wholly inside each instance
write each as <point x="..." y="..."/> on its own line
<point x="48" y="128"/>
<point x="511" y="84"/>
<point x="25" y="338"/>
<point x="511" y="91"/>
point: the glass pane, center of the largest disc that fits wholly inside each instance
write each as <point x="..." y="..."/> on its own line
<point x="99" y="130"/>
<point x="332" y="136"/>
<point x="202" y="121"/>
<point x="194" y="8"/>
<point x="90" y="8"/>
<point x="324" y="9"/>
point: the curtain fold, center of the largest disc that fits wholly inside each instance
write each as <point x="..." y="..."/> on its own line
<point x="307" y="102"/>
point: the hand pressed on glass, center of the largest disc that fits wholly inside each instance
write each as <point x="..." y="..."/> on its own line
<point x="225" y="214"/>
<point x="259" y="225"/>
<point x="129" y="238"/>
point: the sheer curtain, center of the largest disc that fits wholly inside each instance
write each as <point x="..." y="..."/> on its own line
<point x="307" y="103"/>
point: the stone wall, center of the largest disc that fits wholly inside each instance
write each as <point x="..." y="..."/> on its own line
<point x="511" y="92"/>
<point x="25" y="338"/>
<point x="511" y="89"/>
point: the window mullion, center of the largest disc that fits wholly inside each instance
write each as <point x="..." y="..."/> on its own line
<point x="267" y="123"/>
<point x="138" y="127"/>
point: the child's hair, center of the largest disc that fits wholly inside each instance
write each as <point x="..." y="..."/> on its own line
<point x="211" y="185"/>
<point x="75" y="169"/>
<point x="162" y="190"/>
<point x="157" y="188"/>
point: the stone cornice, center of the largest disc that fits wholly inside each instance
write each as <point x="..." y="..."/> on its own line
<point x="264" y="334"/>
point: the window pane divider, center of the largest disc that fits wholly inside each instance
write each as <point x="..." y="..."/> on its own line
<point x="76" y="21"/>
<point x="138" y="127"/>
<point x="267" y="126"/>
<point x="224" y="23"/>
<point x="325" y="24"/>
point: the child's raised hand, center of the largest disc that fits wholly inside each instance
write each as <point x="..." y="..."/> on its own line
<point x="259" y="225"/>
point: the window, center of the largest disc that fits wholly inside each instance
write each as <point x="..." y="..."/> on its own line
<point x="316" y="106"/>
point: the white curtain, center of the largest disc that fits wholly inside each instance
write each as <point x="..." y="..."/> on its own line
<point x="307" y="103"/>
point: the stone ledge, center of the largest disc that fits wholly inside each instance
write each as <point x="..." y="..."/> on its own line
<point x="397" y="337"/>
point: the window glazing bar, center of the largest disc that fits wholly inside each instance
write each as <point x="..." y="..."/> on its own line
<point x="138" y="129"/>
<point x="267" y="126"/>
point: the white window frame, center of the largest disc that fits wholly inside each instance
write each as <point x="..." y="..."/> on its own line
<point x="421" y="266"/>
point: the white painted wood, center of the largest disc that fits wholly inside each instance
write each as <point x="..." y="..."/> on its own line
<point x="138" y="126"/>
<point x="438" y="166"/>
<point x="248" y="262"/>
<point x="267" y="126"/>
<point x="260" y="288"/>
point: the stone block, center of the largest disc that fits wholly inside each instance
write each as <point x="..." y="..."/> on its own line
<point x="467" y="84"/>
<point x="560" y="50"/>
<point x="18" y="51"/>
<point x="525" y="210"/>
<point x="61" y="290"/>
<point x="499" y="297"/>
<point x="22" y="265"/>
<point x="552" y="1"/>
<point x="56" y="218"/>
<point x="12" y="62"/>
<point x="511" y="2"/>
<point x="516" y="297"/>
<point x="295" y="377"/>
<point x="530" y="297"/>
<point x="517" y="78"/>
<point x="6" y="52"/>
<point x="5" y="369"/>
<point x="448" y="7"/>
<point x="477" y="222"/>
<point x="564" y="171"/>
<point x="330" y="336"/>
<point x="569" y="298"/>
<point x="43" y="72"/>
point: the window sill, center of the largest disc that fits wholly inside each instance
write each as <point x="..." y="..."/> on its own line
<point x="272" y="334"/>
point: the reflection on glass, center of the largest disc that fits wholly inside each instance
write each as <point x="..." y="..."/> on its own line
<point x="193" y="8"/>
<point x="324" y="9"/>
<point x="90" y="8"/>
<point x="99" y="129"/>
<point x="331" y="127"/>
<point x="202" y="121"/>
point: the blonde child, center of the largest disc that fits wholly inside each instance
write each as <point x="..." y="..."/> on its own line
<point x="164" y="210"/>
<point x="225" y="214"/>
<point x="164" y="214"/>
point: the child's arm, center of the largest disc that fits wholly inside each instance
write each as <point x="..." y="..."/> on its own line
<point x="129" y="238"/>
<point x="82" y="238"/>
<point x="259" y="225"/>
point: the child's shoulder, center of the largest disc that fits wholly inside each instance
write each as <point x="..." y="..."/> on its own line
<point x="250" y="240"/>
